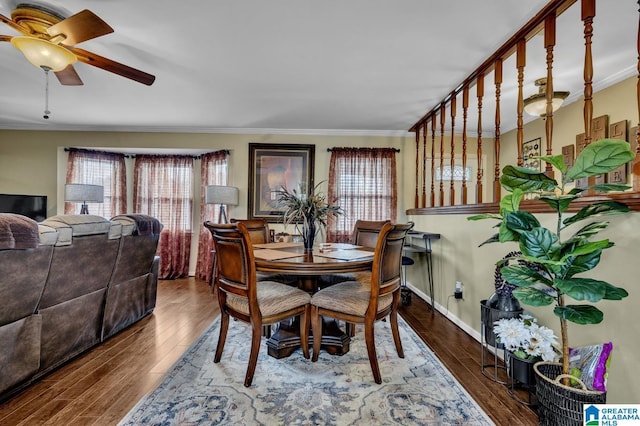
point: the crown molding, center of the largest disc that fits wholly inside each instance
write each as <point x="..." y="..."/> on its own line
<point x="210" y="130"/>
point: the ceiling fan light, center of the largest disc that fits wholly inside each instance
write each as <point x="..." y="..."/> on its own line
<point x="536" y="105"/>
<point x="43" y="53"/>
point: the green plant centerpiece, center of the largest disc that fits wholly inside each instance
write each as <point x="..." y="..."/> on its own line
<point x="554" y="266"/>
<point x="310" y="209"/>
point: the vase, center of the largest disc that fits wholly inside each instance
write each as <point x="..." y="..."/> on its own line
<point x="521" y="370"/>
<point x="559" y="404"/>
<point x="308" y="234"/>
<point x="496" y="307"/>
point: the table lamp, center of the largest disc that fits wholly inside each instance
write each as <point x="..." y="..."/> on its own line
<point x="223" y="195"/>
<point x="82" y="193"/>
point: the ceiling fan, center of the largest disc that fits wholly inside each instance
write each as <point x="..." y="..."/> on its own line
<point x="49" y="40"/>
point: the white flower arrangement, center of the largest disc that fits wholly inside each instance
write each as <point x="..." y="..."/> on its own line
<point x="525" y="338"/>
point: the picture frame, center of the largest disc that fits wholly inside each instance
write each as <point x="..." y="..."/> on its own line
<point x="532" y="148"/>
<point x="272" y="167"/>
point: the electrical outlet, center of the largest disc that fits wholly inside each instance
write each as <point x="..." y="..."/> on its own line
<point x="458" y="291"/>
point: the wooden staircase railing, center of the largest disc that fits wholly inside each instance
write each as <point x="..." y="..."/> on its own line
<point x="545" y="21"/>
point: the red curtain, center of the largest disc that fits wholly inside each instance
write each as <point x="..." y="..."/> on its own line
<point x="213" y="171"/>
<point x="163" y="188"/>
<point x="99" y="168"/>
<point x="363" y="182"/>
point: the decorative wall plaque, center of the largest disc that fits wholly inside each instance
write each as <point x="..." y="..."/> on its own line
<point x="531" y="151"/>
<point x="618" y="131"/>
<point x="582" y="182"/>
<point x="599" y="130"/>
<point x="568" y="155"/>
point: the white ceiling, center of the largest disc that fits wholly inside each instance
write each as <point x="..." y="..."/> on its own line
<point x="278" y="66"/>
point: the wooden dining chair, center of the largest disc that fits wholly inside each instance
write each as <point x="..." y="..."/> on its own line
<point x="365" y="233"/>
<point x="242" y="297"/>
<point x="353" y="303"/>
<point x="259" y="234"/>
<point x="258" y="229"/>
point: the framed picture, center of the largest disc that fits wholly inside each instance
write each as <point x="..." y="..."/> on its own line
<point x="272" y="167"/>
<point x="532" y="148"/>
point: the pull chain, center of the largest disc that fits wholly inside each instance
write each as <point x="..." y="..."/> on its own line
<point x="46" y="93"/>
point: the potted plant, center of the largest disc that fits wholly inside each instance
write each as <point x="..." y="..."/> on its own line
<point x="526" y="342"/>
<point x="558" y="262"/>
<point x="310" y="209"/>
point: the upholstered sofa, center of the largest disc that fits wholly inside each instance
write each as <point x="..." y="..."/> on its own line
<point x="67" y="284"/>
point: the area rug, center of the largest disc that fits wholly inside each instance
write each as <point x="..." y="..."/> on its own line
<point x="335" y="390"/>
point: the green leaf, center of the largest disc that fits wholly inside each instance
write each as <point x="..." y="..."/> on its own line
<point x="559" y="204"/>
<point x="579" y="264"/>
<point x="523" y="276"/>
<point x="600" y="157"/>
<point x="511" y="203"/>
<point x="505" y="234"/>
<point x="557" y="161"/>
<point x="493" y="239"/>
<point x="521" y="221"/>
<point x="608" y="187"/>
<point x="579" y="314"/>
<point x="614" y="293"/>
<point x="589" y="230"/>
<point x="485" y="216"/>
<point x="526" y="180"/>
<point x="538" y="243"/>
<point x="582" y="288"/>
<point x="533" y="296"/>
<point x="587" y="248"/>
<point x="597" y="209"/>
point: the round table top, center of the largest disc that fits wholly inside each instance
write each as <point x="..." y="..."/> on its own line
<point x="338" y="258"/>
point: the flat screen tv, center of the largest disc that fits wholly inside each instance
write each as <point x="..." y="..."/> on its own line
<point x="33" y="206"/>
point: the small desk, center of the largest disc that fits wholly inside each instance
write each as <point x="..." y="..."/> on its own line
<point x="308" y="266"/>
<point x="420" y="242"/>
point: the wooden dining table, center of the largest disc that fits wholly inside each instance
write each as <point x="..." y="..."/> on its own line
<point x="292" y="259"/>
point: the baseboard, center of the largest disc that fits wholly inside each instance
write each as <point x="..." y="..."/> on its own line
<point x="443" y="310"/>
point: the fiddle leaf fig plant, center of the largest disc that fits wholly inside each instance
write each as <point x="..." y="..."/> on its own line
<point x="560" y="262"/>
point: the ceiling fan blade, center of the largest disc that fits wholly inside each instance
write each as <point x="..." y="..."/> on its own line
<point x="69" y="77"/>
<point x="113" y="66"/>
<point x="13" y="25"/>
<point x="5" y="37"/>
<point x="80" y="27"/>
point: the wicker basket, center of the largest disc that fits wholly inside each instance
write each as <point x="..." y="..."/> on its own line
<point x="560" y="405"/>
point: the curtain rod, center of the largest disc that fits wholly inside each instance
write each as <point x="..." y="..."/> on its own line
<point x="197" y="157"/>
<point x="331" y="149"/>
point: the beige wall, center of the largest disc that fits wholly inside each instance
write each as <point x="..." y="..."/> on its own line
<point x="29" y="163"/>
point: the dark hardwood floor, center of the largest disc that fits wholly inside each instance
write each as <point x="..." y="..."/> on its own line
<point x="102" y="385"/>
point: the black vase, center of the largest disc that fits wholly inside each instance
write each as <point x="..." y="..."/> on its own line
<point x="504" y="302"/>
<point x="309" y="234"/>
<point x="496" y="307"/>
<point x="521" y="370"/>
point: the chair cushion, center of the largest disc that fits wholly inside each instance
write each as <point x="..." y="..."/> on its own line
<point x="350" y="297"/>
<point x="48" y="235"/>
<point x="76" y="225"/>
<point x="273" y="298"/>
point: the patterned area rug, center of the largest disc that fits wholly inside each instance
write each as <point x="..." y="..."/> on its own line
<point x="335" y="390"/>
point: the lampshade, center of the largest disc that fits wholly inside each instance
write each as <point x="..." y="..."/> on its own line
<point x="43" y="53"/>
<point x="537" y="104"/>
<point x="218" y="194"/>
<point x="81" y="193"/>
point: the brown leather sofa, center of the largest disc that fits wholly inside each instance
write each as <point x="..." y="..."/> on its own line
<point x="68" y="284"/>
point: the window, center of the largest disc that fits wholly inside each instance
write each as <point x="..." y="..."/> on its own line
<point x="213" y="171"/>
<point x="163" y="188"/>
<point x="106" y="169"/>
<point x="363" y="182"/>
